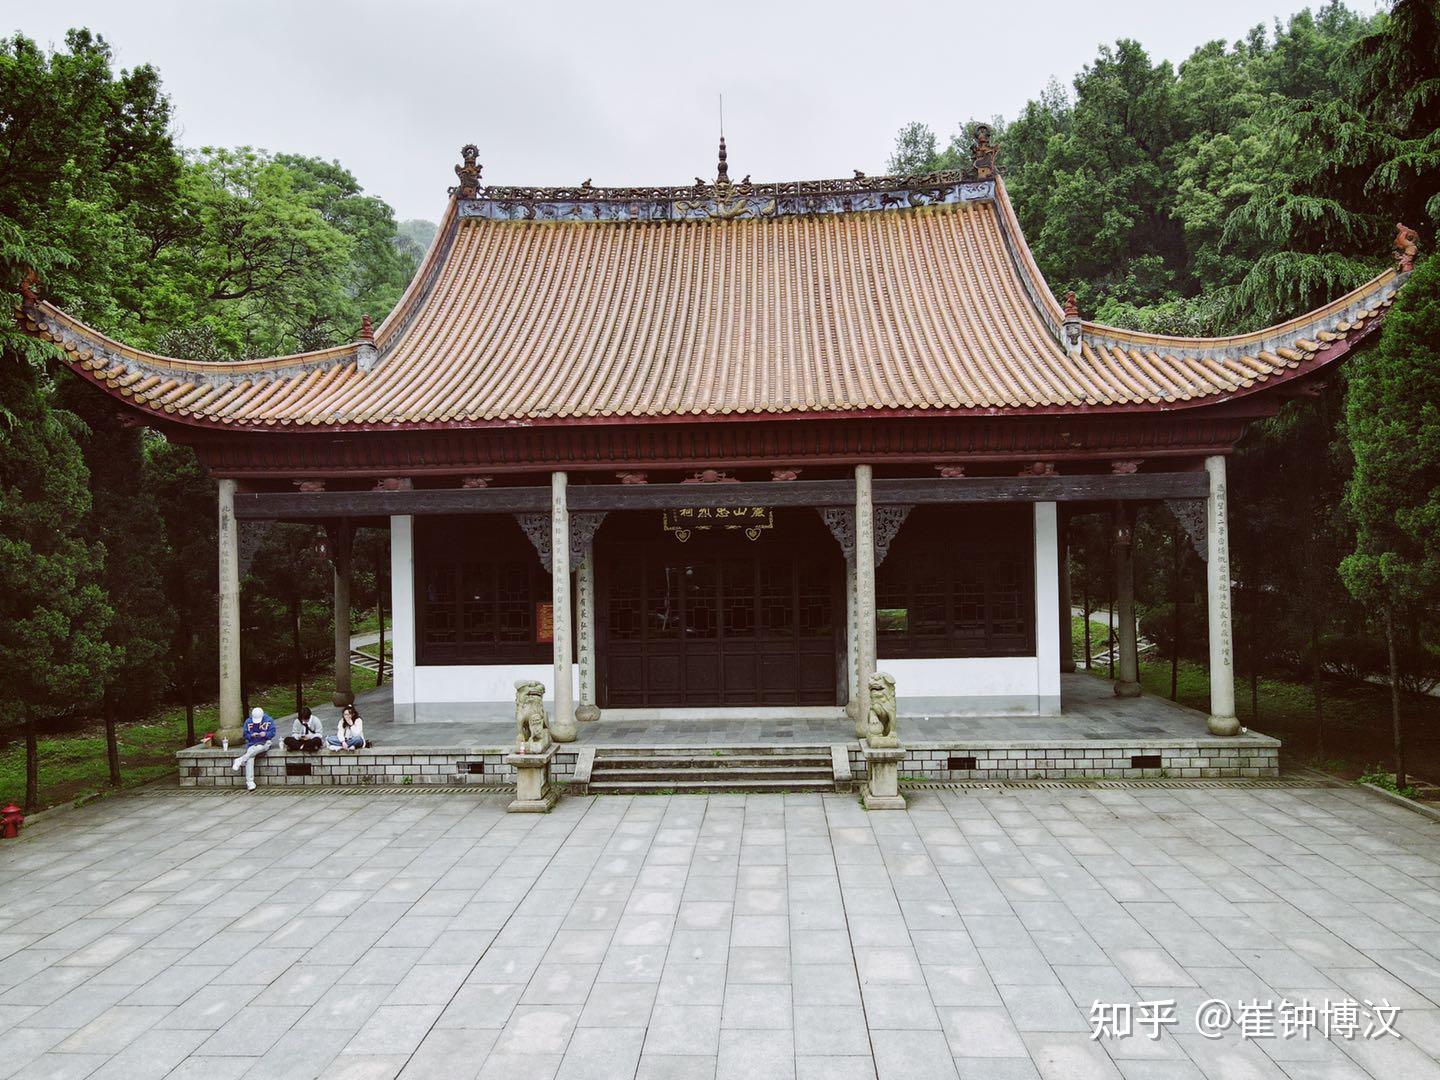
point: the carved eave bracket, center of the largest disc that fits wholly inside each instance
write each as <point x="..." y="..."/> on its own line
<point x="537" y="528"/>
<point x="840" y="520"/>
<point x="584" y="524"/>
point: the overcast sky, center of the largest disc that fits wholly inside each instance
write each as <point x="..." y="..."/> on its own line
<point x="624" y="93"/>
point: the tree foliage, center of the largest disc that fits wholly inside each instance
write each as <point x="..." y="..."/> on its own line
<point x="1254" y="181"/>
<point x="107" y="532"/>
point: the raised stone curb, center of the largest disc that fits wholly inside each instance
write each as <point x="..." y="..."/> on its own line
<point x="1409" y="804"/>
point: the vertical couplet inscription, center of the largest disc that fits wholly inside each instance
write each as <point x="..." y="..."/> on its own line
<point x="1222" y="556"/>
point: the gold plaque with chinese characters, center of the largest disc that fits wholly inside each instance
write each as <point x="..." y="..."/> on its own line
<point x="685" y="521"/>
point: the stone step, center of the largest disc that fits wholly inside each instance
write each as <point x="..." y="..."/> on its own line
<point x="675" y="761"/>
<point x="816" y="750"/>
<point x="656" y="776"/>
<point x="637" y="770"/>
<point x="693" y="785"/>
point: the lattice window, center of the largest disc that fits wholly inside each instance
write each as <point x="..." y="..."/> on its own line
<point x="777" y="599"/>
<point x="958" y="582"/>
<point x="817" y="600"/>
<point x="738" y="578"/>
<point x="625" y="608"/>
<point x="480" y="586"/>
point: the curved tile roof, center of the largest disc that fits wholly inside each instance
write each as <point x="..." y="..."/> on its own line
<point x="878" y="302"/>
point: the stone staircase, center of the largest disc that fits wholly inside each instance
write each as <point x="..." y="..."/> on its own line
<point x="617" y="770"/>
<point x="367" y="661"/>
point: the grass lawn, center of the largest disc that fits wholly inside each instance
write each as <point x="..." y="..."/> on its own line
<point x="367" y="622"/>
<point x="73" y="766"/>
<point x="1357" y="717"/>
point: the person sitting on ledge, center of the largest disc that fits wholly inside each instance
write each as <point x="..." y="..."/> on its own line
<point x="350" y="732"/>
<point x="259" y="737"/>
<point x="306" y="734"/>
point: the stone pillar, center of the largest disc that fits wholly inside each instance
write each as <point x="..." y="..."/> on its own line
<point x="229" y="630"/>
<point x="1217" y="577"/>
<point x="1128" y="670"/>
<point x="562" y="728"/>
<point x="1067" y="635"/>
<point x="585" y="636"/>
<point x="343" y="537"/>
<point x="864" y="595"/>
<point x="1047" y="609"/>
<point x="402" y="616"/>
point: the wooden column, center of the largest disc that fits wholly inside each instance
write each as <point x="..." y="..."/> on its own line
<point x="1217" y="578"/>
<point x="1067" y="637"/>
<point x="1128" y="682"/>
<point x="864" y="595"/>
<point x="229" y="628"/>
<point x="342" y="538"/>
<point x="562" y="726"/>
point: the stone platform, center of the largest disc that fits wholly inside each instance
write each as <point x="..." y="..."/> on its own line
<point x="1097" y="735"/>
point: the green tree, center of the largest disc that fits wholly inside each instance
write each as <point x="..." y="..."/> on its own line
<point x="1393" y="422"/>
<point x="378" y="269"/>
<point x="53" y="611"/>
<point x="264" y="272"/>
<point x="124" y="521"/>
<point x="88" y="178"/>
<point x="185" y="497"/>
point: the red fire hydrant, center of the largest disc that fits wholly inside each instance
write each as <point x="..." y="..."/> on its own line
<point x="11" y="821"/>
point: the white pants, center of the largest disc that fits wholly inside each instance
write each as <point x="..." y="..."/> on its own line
<point x="251" y="753"/>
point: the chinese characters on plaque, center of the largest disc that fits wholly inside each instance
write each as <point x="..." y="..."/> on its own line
<point x="685" y="521"/>
<point x="544" y="622"/>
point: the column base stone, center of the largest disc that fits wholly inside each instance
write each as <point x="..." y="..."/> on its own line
<point x="1223" y="725"/>
<point x="882" y="777"/>
<point x="1127" y="689"/>
<point x="533" y="791"/>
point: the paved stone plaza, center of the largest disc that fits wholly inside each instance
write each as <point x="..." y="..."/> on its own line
<point x="362" y="935"/>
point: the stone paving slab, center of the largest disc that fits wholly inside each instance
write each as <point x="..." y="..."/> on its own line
<point x="383" y="936"/>
<point x="1090" y="713"/>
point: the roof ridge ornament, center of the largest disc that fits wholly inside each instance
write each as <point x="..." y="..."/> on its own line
<point x="469" y="173"/>
<point x="1071" y="325"/>
<point x="365" y="352"/>
<point x="982" y="155"/>
<point x="722" y="169"/>
<point x="1406" y="247"/>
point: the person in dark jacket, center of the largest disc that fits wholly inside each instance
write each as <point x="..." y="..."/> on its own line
<point x="306" y="734"/>
<point x="259" y="737"/>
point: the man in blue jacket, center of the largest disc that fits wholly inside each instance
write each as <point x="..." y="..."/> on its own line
<point x="259" y="737"/>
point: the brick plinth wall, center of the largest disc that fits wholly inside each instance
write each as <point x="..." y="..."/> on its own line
<point x="1253" y="757"/>
<point x="421" y="765"/>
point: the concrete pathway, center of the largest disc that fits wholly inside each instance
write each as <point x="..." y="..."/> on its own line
<point x="362" y="935"/>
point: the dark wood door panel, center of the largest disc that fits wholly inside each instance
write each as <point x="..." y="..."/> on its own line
<point x="720" y="620"/>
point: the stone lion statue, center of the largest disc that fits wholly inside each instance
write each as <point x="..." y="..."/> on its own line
<point x="532" y="726"/>
<point x="882" y="710"/>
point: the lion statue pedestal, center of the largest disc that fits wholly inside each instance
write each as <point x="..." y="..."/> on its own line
<point x="882" y="749"/>
<point x="534" y="751"/>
